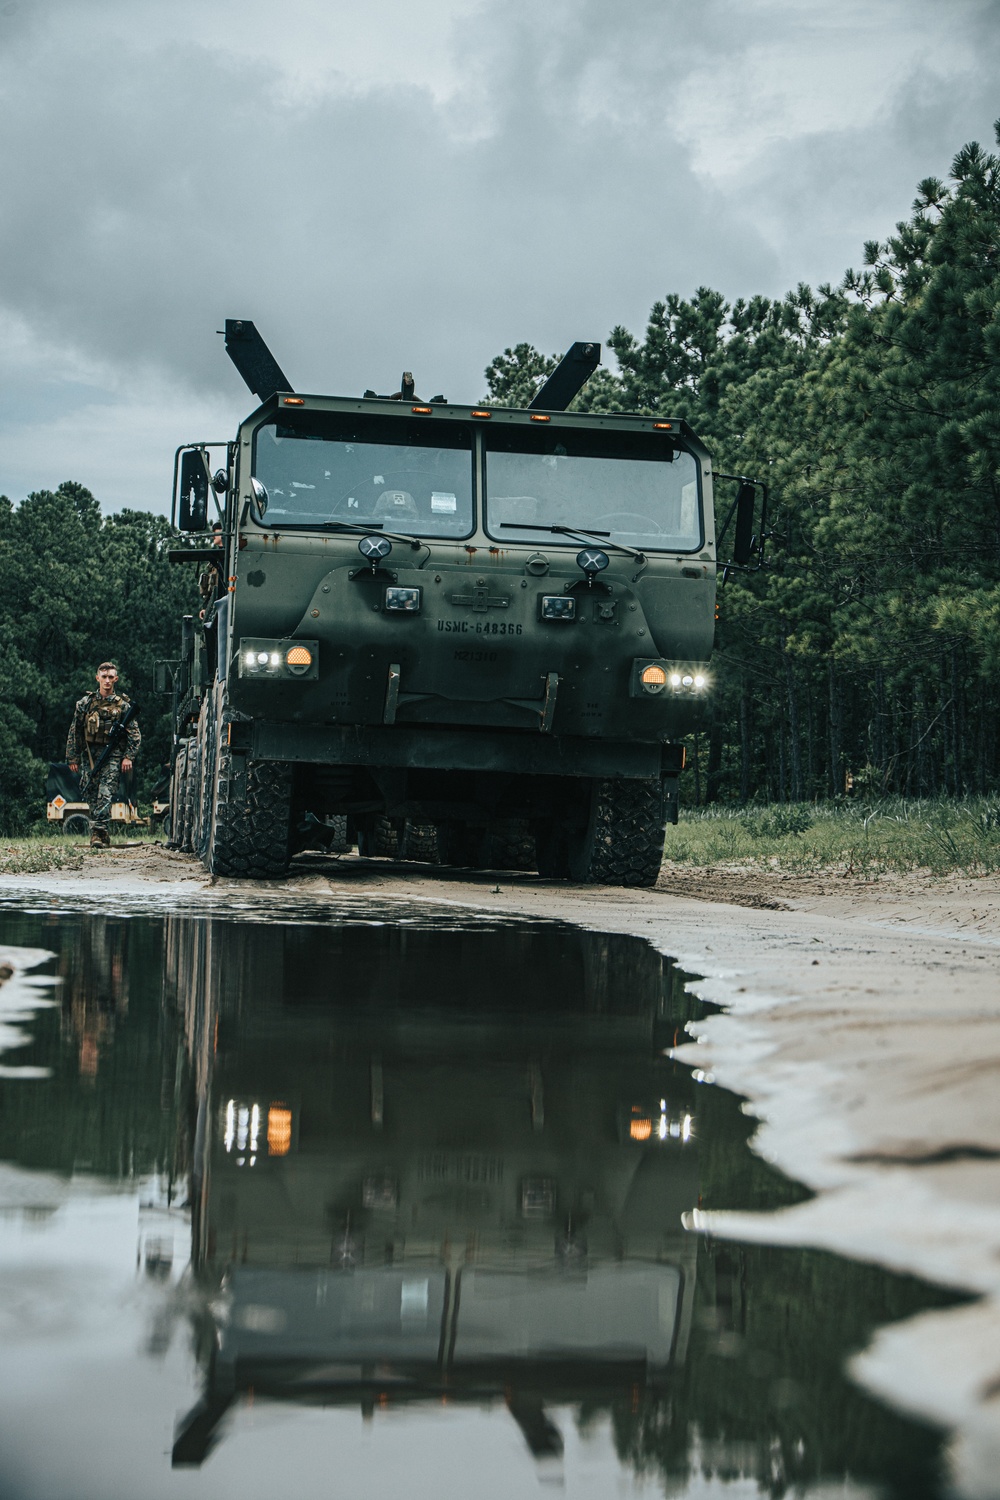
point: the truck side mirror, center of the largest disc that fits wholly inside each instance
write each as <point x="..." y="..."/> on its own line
<point x="193" y="515"/>
<point x="259" y="500"/>
<point x="164" y="673"/>
<point x="743" y="540"/>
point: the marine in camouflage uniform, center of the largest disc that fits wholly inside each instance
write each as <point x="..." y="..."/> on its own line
<point x="94" y="720"/>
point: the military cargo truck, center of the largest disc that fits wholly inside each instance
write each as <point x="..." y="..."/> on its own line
<point x="473" y="629"/>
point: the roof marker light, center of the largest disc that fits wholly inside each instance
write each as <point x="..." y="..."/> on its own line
<point x="294" y="401"/>
<point x="478" y="412"/>
<point x="423" y="411"/>
<point x="663" y="426"/>
<point x="537" y="417"/>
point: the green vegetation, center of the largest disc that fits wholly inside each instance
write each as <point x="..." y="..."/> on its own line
<point x="863" y="839"/>
<point x="43" y="849"/>
<point x="77" y="587"/>
<point x="869" y="647"/>
<point x="35" y="855"/>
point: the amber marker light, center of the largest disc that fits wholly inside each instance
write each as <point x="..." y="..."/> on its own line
<point x="535" y="417"/>
<point x="279" y="1130"/>
<point x="423" y="411"/>
<point x="654" y="676"/>
<point x="298" y="659"/>
<point x="639" y="1130"/>
<point x="478" y="413"/>
<point x="663" y="426"/>
<point x="294" y="401"/>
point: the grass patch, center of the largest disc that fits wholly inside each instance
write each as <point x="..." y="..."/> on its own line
<point x="36" y="854"/>
<point x="958" y="836"/>
<point x="42" y="850"/>
<point x="889" y="836"/>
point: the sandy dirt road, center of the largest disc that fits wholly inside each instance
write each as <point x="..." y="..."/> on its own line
<point x="861" y="1021"/>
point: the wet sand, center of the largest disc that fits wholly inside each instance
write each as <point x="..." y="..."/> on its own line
<point x="861" y="1022"/>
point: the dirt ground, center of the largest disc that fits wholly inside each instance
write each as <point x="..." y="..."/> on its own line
<point x="862" y="1022"/>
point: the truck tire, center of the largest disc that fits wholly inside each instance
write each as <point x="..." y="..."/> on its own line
<point x="622" y="843"/>
<point x="174" y="813"/>
<point x="420" y="842"/>
<point x="186" y="792"/>
<point x="203" y="797"/>
<point x="253" y="816"/>
<point x="246" y="833"/>
<point x="463" y="845"/>
<point x="512" y="847"/>
<point x="380" y="839"/>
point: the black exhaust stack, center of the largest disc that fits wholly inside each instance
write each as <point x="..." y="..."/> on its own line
<point x="254" y="360"/>
<point x="567" y="379"/>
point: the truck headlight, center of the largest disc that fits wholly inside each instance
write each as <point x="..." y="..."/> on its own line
<point x="405" y="600"/>
<point x="274" y="660"/>
<point x="557" y="607"/>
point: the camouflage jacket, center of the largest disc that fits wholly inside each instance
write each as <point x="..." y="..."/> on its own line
<point x="93" y="720"/>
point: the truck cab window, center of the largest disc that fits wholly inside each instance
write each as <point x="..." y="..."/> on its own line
<point x="638" y="488"/>
<point x="414" y="477"/>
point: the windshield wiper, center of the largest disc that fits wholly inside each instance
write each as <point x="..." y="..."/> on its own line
<point x="564" y="530"/>
<point x="350" y="526"/>
<point x="578" y="533"/>
<point x="354" y="527"/>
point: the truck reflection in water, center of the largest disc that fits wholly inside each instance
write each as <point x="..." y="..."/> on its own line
<point x="416" y="1180"/>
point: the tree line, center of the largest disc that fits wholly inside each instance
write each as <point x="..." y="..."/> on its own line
<point x="77" y="588"/>
<point x="865" y="655"/>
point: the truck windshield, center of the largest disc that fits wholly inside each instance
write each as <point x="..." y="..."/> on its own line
<point x="404" y="474"/>
<point x="635" y="488"/>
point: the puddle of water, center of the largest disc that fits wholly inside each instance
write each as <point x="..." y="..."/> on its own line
<point x="391" y="1202"/>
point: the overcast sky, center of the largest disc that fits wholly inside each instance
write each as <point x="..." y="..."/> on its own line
<point x="415" y="185"/>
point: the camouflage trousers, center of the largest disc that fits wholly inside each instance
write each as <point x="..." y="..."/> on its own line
<point x="101" y="790"/>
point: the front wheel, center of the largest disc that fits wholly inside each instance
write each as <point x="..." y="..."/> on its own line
<point x="251" y="837"/>
<point x="622" y="841"/>
<point x="247" y="821"/>
<point x="614" y="837"/>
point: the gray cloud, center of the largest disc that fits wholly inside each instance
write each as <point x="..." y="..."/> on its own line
<point x="373" y="202"/>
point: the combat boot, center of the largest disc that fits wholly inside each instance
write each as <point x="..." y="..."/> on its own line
<point x="99" y="838"/>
